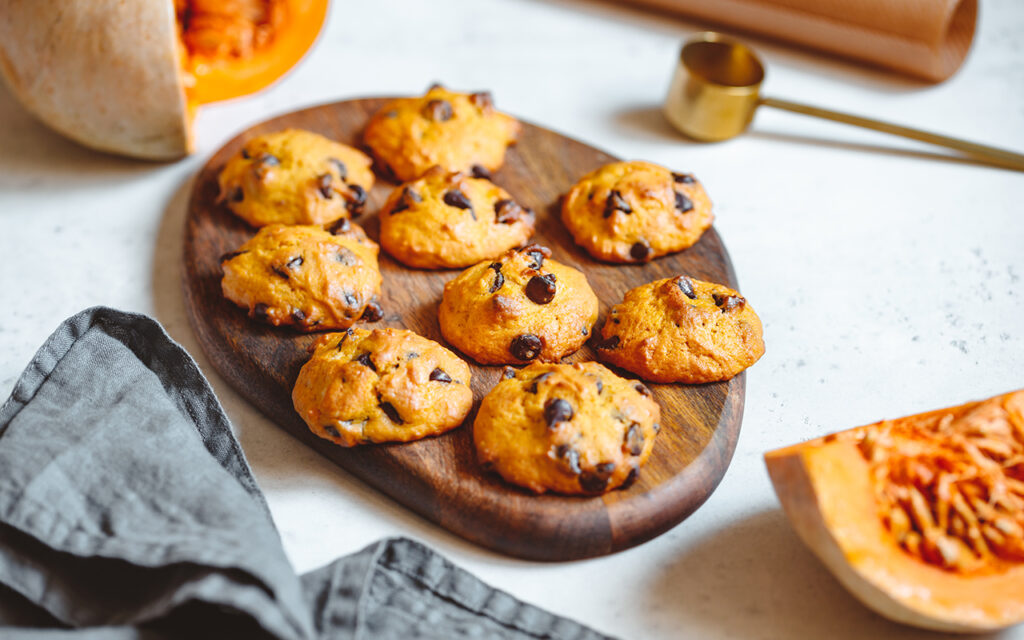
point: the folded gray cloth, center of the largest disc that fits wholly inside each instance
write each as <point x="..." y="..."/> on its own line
<point x="127" y="510"/>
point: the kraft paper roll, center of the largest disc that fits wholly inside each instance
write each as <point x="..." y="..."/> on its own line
<point x="928" y="39"/>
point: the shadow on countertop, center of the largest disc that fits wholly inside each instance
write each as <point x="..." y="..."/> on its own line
<point x="756" y="579"/>
<point x="33" y="156"/>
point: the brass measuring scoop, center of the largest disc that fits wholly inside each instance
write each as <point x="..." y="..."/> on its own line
<point x="717" y="87"/>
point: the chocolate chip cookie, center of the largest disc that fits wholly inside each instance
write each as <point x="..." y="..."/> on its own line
<point x="636" y="211"/>
<point x="295" y="177"/>
<point x="385" y="385"/>
<point x="573" y="429"/>
<point x="455" y="131"/>
<point x="305" y="276"/>
<point x="682" y="330"/>
<point x="521" y="307"/>
<point x="451" y="220"/>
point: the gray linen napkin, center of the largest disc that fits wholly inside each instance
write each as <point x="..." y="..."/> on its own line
<point x="127" y="510"/>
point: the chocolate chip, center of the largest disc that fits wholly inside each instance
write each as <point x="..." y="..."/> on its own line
<point x="438" y="110"/>
<point x="323" y="182"/>
<point x="298" y="315"/>
<point x="611" y="342"/>
<point x="295" y="262"/>
<point x="656" y="427"/>
<point x="330" y="430"/>
<point x="584" y="331"/>
<point x="267" y="159"/>
<point x="260" y="311"/>
<point x="411" y="355"/>
<point x="526" y="346"/>
<point x="541" y="289"/>
<point x="557" y="410"/>
<point x="616" y="202"/>
<point x="245" y="153"/>
<point x="344" y="337"/>
<point x="351" y="300"/>
<point x="683" y="203"/>
<point x="438" y="375"/>
<point x="508" y="372"/>
<point x="237" y="195"/>
<point x="640" y="251"/>
<point x="373" y="312"/>
<point x="279" y="271"/>
<point x="634" y="441"/>
<point x="600" y="386"/>
<point x="592" y="482"/>
<point x="685" y="178"/>
<point x="409" y="197"/>
<point x="435" y="85"/>
<point x="364" y="359"/>
<point x="480" y="171"/>
<point x="455" y="198"/>
<point x="340" y="167"/>
<point x="727" y="303"/>
<point x="346" y="257"/>
<point x="642" y="389"/>
<point x="541" y="378"/>
<point x="392" y="413"/>
<point x="686" y="286"/>
<point x="357" y="199"/>
<point x="537" y="254"/>
<point x="634" y="472"/>
<point x="231" y="255"/>
<point x="507" y="211"/>
<point x="498" y="278"/>
<point x="343" y="225"/>
<point x="605" y="468"/>
<point x="481" y="99"/>
<point x="571" y="457"/>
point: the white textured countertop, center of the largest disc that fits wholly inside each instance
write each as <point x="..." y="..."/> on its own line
<point x="888" y="276"/>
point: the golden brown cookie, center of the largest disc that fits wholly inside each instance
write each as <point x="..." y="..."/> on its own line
<point x="521" y="307"/>
<point x="305" y="276"/>
<point x="451" y="220"/>
<point x="453" y="130"/>
<point x="385" y="385"/>
<point x="295" y="177"/>
<point x="682" y="330"/>
<point x="636" y="211"/>
<point x="576" y="429"/>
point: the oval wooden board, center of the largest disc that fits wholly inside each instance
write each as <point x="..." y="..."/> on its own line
<point x="439" y="478"/>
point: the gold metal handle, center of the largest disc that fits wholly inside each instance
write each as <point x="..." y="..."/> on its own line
<point x="992" y="155"/>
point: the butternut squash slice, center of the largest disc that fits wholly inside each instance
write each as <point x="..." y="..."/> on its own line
<point x="126" y="77"/>
<point x="921" y="518"/>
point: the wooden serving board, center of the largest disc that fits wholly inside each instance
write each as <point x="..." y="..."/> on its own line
<point x="439" y="478"/>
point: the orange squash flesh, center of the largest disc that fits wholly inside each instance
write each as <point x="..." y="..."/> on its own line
<point x="233" y="48"/>
<point x="837" y="492"/>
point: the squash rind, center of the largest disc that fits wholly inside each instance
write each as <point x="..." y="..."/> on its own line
<point x="826" y="492"/>
<point x="104" y="73"/>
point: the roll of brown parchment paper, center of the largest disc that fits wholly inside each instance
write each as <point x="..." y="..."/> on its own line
<point x="928" y="39"/>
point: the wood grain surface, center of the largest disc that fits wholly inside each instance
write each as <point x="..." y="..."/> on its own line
<point x="439" y="477"/>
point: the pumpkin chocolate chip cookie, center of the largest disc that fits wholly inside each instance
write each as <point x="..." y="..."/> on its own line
<point x="682" y="330"/>
<point x="304" y="276"/>
<point x="636" y="211"/>
<point x="295" y="177"/>
<point x="450" y="220"/>
<point x="455" y="131"/>
<point x="385" y="385"/>
<point x="573" y="429"/>
<point x="521" y="307"/>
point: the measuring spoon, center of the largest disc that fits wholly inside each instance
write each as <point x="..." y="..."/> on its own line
<point x="717" y="87"/>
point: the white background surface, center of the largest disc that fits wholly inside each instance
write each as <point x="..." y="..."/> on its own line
<point x="888" y="276"/>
